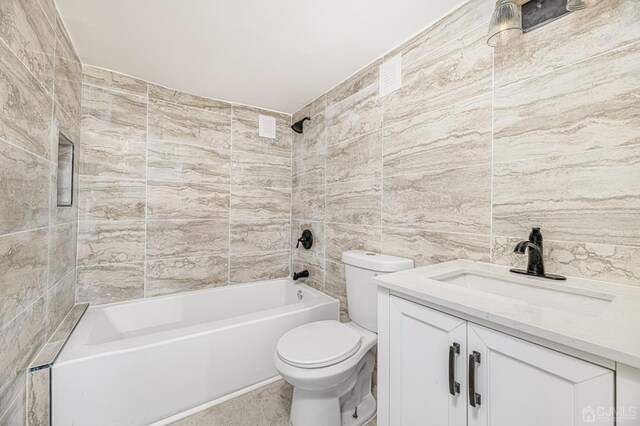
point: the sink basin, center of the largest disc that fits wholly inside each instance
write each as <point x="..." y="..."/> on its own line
<point x="532" y="291"/>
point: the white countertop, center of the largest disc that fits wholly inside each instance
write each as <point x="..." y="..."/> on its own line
<point x="613" y="333"/>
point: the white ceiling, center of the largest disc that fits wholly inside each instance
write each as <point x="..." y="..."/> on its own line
<point x="276" y="54"/>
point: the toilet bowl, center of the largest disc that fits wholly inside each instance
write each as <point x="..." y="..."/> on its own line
<point x="330" y="364"/>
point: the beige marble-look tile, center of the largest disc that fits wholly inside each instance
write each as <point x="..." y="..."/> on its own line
<point x="187" y="200"/>
<point x="25" y="107"/>
<point x="69" y="126"/>
<point x="590" y="105"/>
<point x="68" y="79"/>
<point x="62" y="214"/>
<point x="616" y="264"/>
<point x="181" y="124"/>
<point x="249" y="267"/>
<point x="61" y="334"/>
<point x="309" y="170"/>
<point x="312" y="109"/>
<point x="597" y="29"/>
<point x="343" y="237"/>
<point x="247" y="139"/>
<point x="317" y="230"/>
<point x="275" y="402"/>
<point x="111" y="199"/>
<point x="355" y="202"/>
<point x="453" y="200"/>
<point x="335" y="286"/>
<point x="469" y="16"/>
<point x="26" y="29"/>
<point x="427" y="248"/>
<point x="358" y="82"/>
<point x="178" y="162"/>
<point x="451" y="74"/>
<point x="260" y="170"/>
<point x="25" y="196"/>
<point x="15" y="414"/>
<point x="356" y="159"/>
<point x="301" y="261"/>
<point x="110" y="242"/>
<point x="186" y="238"/>
<point x="589" y="197"/>
<point x="23" y="271"/>
<point x="59" y="300"/>
<point x="240" y="411"/>
<point x="20" y="341"/>
<point x="168" y="276"/>
<point x="249" y="203"/>
<point x="355" y="116"/>
<point x="454" y="136"/>
<point x="50" y="11"/>
<point x="110" y="283"/>
<point x="100" y="77"/>
<point x="308" y="203"/>
<point x="112" y="156"/>
<point x="259" y="235"/>
<point x="313" y="138"/>
<point x="64" y="38"/>
<point x="114" y="113"/>
<point x="187" y="99"/>
<point x="39" y="397"/>
<point x="62" y="251"/>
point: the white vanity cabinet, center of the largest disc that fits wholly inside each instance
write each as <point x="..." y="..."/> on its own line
<point x="440" y="370"/>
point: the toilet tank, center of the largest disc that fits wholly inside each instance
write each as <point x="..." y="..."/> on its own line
<point x="362" y="293"/>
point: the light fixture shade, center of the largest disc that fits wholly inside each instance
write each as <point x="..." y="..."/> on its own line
<point x="506" y="23"/>
<point x="576" y="5"/>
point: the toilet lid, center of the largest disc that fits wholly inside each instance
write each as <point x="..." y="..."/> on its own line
<point x="318" y="344"/>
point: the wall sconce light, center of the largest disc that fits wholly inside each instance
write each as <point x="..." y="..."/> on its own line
<point x="506" y="23"/>
<point x="512" y="18"/>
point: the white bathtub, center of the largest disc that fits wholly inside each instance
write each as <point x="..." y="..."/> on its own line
<point x="140" y="362"/>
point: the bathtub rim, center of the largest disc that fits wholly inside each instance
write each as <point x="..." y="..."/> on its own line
<point x="85" y="352"/>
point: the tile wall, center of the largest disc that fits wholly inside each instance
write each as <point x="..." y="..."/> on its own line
<point x="177" y="192"/>
<point x="477" y="148"/>
<point x="40" y="93"/>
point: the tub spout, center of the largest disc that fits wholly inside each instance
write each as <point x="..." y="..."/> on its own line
<point x="301" y="274"/>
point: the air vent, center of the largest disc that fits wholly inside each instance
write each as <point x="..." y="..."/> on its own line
<point x="390" y="76"/>
<point x="267" y="126"/>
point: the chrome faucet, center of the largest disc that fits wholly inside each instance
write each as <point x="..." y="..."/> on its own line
<point x="535" y="263"/>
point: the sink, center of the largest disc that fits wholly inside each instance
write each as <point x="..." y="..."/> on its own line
<point x="531" y="291"/>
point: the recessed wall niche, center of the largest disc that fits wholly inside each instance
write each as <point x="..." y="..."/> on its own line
<point x="65" y="171"/>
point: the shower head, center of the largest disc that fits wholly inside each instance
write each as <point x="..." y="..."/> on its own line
<point x="298" y="126"/>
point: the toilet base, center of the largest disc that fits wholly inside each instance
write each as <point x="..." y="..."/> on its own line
<point x="336" y="406"/>
<point x="366" y="411"/>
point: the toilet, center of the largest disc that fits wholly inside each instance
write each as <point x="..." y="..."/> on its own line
<point x="328" y="363"/>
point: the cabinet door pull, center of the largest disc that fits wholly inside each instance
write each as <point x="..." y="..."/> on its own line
<point x="454" y="387"/>
<point x="474" y="398"/>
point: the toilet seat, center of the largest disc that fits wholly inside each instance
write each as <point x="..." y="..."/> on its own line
<point x="318" y="344"/>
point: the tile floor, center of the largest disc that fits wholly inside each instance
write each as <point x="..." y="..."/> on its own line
<point x="267" y="406"/>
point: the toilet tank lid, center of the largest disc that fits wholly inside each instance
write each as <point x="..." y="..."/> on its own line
<point x="376" y="261"/>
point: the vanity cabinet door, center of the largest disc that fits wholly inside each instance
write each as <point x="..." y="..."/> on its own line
<point x="519" y="383"/>
<point x="423" y="345"/>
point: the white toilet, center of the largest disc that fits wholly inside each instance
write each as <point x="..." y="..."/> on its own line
<point x="329" y="363"/>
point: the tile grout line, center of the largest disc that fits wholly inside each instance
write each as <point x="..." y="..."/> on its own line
<point x="75" y="290"/>
<point x="229" y="207"/>
<point x="291" y="200"/>
<point x="493" y="98"/>
<point x="325" y="144"/>
<point x="146" y="197"/>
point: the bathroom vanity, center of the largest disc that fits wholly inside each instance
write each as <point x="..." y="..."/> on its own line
<point x="471" y="343"/>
